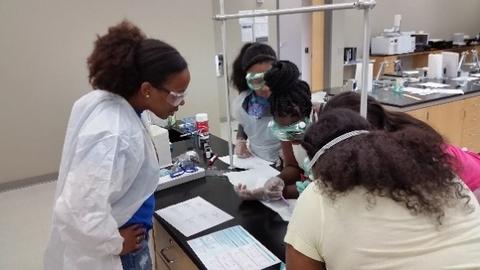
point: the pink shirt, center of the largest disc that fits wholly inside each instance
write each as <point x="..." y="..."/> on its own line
<point x="466" y="165"/>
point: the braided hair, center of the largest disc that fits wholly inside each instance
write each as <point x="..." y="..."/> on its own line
<point x="290" y="95"/>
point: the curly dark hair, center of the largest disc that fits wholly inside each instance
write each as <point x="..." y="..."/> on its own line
<point x="250" y="54"/>
<point x="124" y="58"/>
<point x="290" y="95"/>
<point x="379" y="117"/>
<point x="407" y="166"/>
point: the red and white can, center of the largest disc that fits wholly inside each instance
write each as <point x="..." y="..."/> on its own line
<point x="201" y="120"/>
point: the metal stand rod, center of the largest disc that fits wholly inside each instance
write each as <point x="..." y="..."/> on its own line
<point x="358" y="4"/>
<point x="227" y="85"/>
<point x="366" y="62"/>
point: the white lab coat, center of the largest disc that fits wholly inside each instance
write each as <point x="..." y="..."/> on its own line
<point x="108" y="170"/>
<point x="262" y="143"/>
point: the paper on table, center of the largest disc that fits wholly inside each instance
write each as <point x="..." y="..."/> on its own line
<point x="466" y="78"/>
<point x="434" y="85"/>
<point x="246" y="163"/>
<point x="284" y="210"/>
<point x="450" y="91"/>
<point x="232" y="248"/>
<point x="193" y="216"/>
<point x="428" y="91"/>
<point x="253" y="178"/>
<point x="411" y="72"/>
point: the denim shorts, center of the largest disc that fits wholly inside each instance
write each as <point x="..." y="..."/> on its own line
<point x="138" y="260"/>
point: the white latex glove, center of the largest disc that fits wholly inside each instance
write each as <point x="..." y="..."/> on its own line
<point x="271" y="191"/>
<point x="241" y="149"/>
<point x="249" y="195"/>
<point x="274" y="188"/>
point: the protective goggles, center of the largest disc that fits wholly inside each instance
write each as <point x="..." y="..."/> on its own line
<point x="255" y="81"/>
<point x="308" y="164"/>
<point x="292" y="132"/>
<point x="174" y="98"/>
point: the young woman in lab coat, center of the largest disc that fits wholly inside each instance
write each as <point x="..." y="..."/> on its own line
<point x="251" y="107"/>
<point x="109" y="171"/>
<point x="466" y="164"/>
<point x="380" y="200"/>
<point x="292" y="110"/>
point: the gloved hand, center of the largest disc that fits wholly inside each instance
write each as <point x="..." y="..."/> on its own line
<point x="271" y="191"/>
<point x="274" y="188"/>
<point x="302" y="185"/>
<point x="241" y="149"/>
<point x="249" y="195"/>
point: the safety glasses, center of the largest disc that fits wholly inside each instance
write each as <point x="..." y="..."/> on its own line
<point x="174" y="98"/>
<point x="255" y="81"/>
<point x="292" y="132"/>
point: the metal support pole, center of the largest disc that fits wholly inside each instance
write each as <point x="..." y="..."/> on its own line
<point x="361" y="4"/>
<point x="227" y="85"/>
<point x="366" y="61"/>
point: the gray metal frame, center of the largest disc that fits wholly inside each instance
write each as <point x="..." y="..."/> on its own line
<point x="366" y="5"/>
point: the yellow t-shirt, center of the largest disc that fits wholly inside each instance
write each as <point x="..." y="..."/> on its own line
<point x="349" y="233"/>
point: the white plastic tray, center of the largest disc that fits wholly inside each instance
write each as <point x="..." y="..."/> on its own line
<point x="167" y="182"/>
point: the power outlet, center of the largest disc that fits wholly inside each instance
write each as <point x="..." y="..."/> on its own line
<point x="219" y="65"/>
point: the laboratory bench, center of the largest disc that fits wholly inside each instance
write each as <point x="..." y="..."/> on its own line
<point x="454" y="116"/>
<point x="171" y="248"/>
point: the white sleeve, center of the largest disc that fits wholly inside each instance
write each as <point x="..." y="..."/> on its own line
<point x="83" y="208"/>
<point x="305" y="230"/>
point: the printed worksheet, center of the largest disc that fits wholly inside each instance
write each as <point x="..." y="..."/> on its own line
<point x="246" y="163"/>
<point x="284" y="208"/>
<point x="193" y="216"/>
<point x="253" y="178"/>
<point x="232" y="249"/>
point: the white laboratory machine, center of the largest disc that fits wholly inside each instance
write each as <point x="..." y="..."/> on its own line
<point x="392" y="41"/>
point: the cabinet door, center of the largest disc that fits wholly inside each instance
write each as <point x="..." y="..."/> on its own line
<point x="471" y="124"/>
<point x="167" y="251"/>
<point x="159" y="263"/>
<point x="447" y="119"/>
<point x="420" y="114"/>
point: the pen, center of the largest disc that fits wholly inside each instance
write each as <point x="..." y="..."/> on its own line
<point x="409" y="96"/>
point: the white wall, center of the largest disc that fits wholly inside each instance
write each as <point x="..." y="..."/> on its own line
<point x="295" y="32"/>
<point x="440" y="18"/>
<point x="44" y="47"/>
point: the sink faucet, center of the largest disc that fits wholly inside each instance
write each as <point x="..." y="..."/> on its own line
<point x="475" y="60"/>
<point x="460" y="63"/>
<point x="398" y="66"/>
<point x="381" y="70"/>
